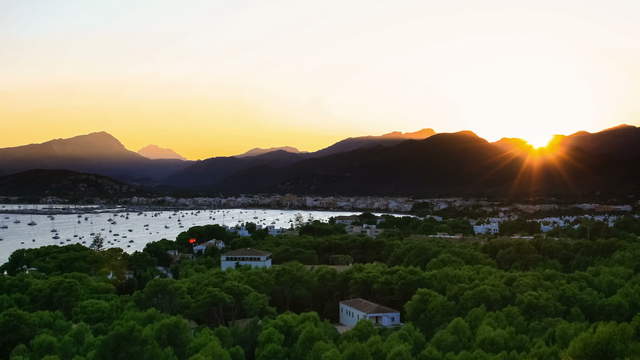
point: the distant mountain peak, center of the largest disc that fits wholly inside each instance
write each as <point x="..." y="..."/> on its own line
<point x="466" y="133"/>
<point x="261" y="151"/>
<point x="619" y="127"/>
<point x="154" y="152"/>
<point x="97" y="144"/>
<point x="100" y="138"/>
<point x="416" y="135"/>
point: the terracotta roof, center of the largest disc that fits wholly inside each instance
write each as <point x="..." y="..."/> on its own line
<point x="246" y="252"/>
<point x="367" y="306"/>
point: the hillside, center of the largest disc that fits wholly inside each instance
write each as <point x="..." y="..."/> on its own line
<point x="65" y="184"/>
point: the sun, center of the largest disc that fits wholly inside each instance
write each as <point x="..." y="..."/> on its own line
<point x="538" y="141"/>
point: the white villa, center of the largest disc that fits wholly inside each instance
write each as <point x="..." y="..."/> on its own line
<point x="239" y="257"/>
<point x="354" y="310"/>
<point x="201" y="248"/>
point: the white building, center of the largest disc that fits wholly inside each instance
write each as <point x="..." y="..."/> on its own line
<point x="240" y="257"/>
<point x="365" y="229"/>
<point x="242" y="231"/>
<point x="490" y="228"/>
<point x="201" y="248"/>
<point x="354" y="310"/>
<point x="274" y="231"/>
<point x="346" y="220"/>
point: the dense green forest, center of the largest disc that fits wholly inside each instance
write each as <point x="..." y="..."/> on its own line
<point x="567" y="297"/>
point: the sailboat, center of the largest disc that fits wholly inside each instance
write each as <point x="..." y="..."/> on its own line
<point x="53" y="227"/>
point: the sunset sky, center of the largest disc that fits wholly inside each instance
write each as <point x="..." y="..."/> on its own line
<point x="211" y="78"/>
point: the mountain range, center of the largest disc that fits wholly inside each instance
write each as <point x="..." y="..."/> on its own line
<point x="416" y="164"/>
<point x="98" y="153"/>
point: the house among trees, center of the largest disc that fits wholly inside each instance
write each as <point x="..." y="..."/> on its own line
<point x="347" y="220"/>
<point x="354" y="310"/>
<point x="201" y="248"/>
<point x="364" y="229"/>
<point x="239" y="257"/>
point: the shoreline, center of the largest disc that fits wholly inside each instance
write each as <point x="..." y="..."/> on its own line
<point x="98" y="209"/>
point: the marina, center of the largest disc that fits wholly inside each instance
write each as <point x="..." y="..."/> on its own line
<point x="130" y="231"/>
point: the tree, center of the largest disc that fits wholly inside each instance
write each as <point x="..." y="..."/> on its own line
<point x="173" y="332"/>
<point x="166" y="295"/>
<point x="16" y="327"/>
<point x="43" y="345"/>
<point x="93" y="312"/>
<point x="97" y="243"/>
<point x="209" y="306"/>
<point x="429" y="310"/>
<point x="603" y="341"/>
<point x="402" y="352"/>
<point x="356" y="351"/>
<point x="270" y="345"/>
<point x="457" y="336"/>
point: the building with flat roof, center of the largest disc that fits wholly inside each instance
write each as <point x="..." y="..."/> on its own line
<point x="247" y="256"/>
<point x="346" y="220"/>
<point x="354" y="310"/>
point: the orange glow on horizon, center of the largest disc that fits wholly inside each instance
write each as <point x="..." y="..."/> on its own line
<point x="209" y="80"/>
<point x="540" y="142"/>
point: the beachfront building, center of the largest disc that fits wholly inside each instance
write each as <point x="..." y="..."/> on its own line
<point x="354" y="310"/>
<point x="243" y="257"/>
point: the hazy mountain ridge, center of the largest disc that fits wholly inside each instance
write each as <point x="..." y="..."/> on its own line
<point x="354" y="143"/>
<point x="351" y="143"/>
<point x="154" y="152"/>
<point x="261" y="151"/>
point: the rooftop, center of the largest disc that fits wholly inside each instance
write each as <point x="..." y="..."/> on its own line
<point x="247" y="252"/>
<point x="367" y="306"/>
<point x="345" y="217"/>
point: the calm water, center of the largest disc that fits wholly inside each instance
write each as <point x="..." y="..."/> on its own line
<point x="131" y="231"/>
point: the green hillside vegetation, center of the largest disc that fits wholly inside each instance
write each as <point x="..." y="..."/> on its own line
<point x="484" y="298"/>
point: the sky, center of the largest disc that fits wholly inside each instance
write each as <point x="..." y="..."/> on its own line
<point x="213" y="78"/>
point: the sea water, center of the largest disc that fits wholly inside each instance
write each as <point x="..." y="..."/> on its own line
<point x="130" y="230"/>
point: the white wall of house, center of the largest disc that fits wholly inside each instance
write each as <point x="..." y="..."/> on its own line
<point x="386" y="319"/>
<point x="227" y="262"/>
<point x="350" y="317"/>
